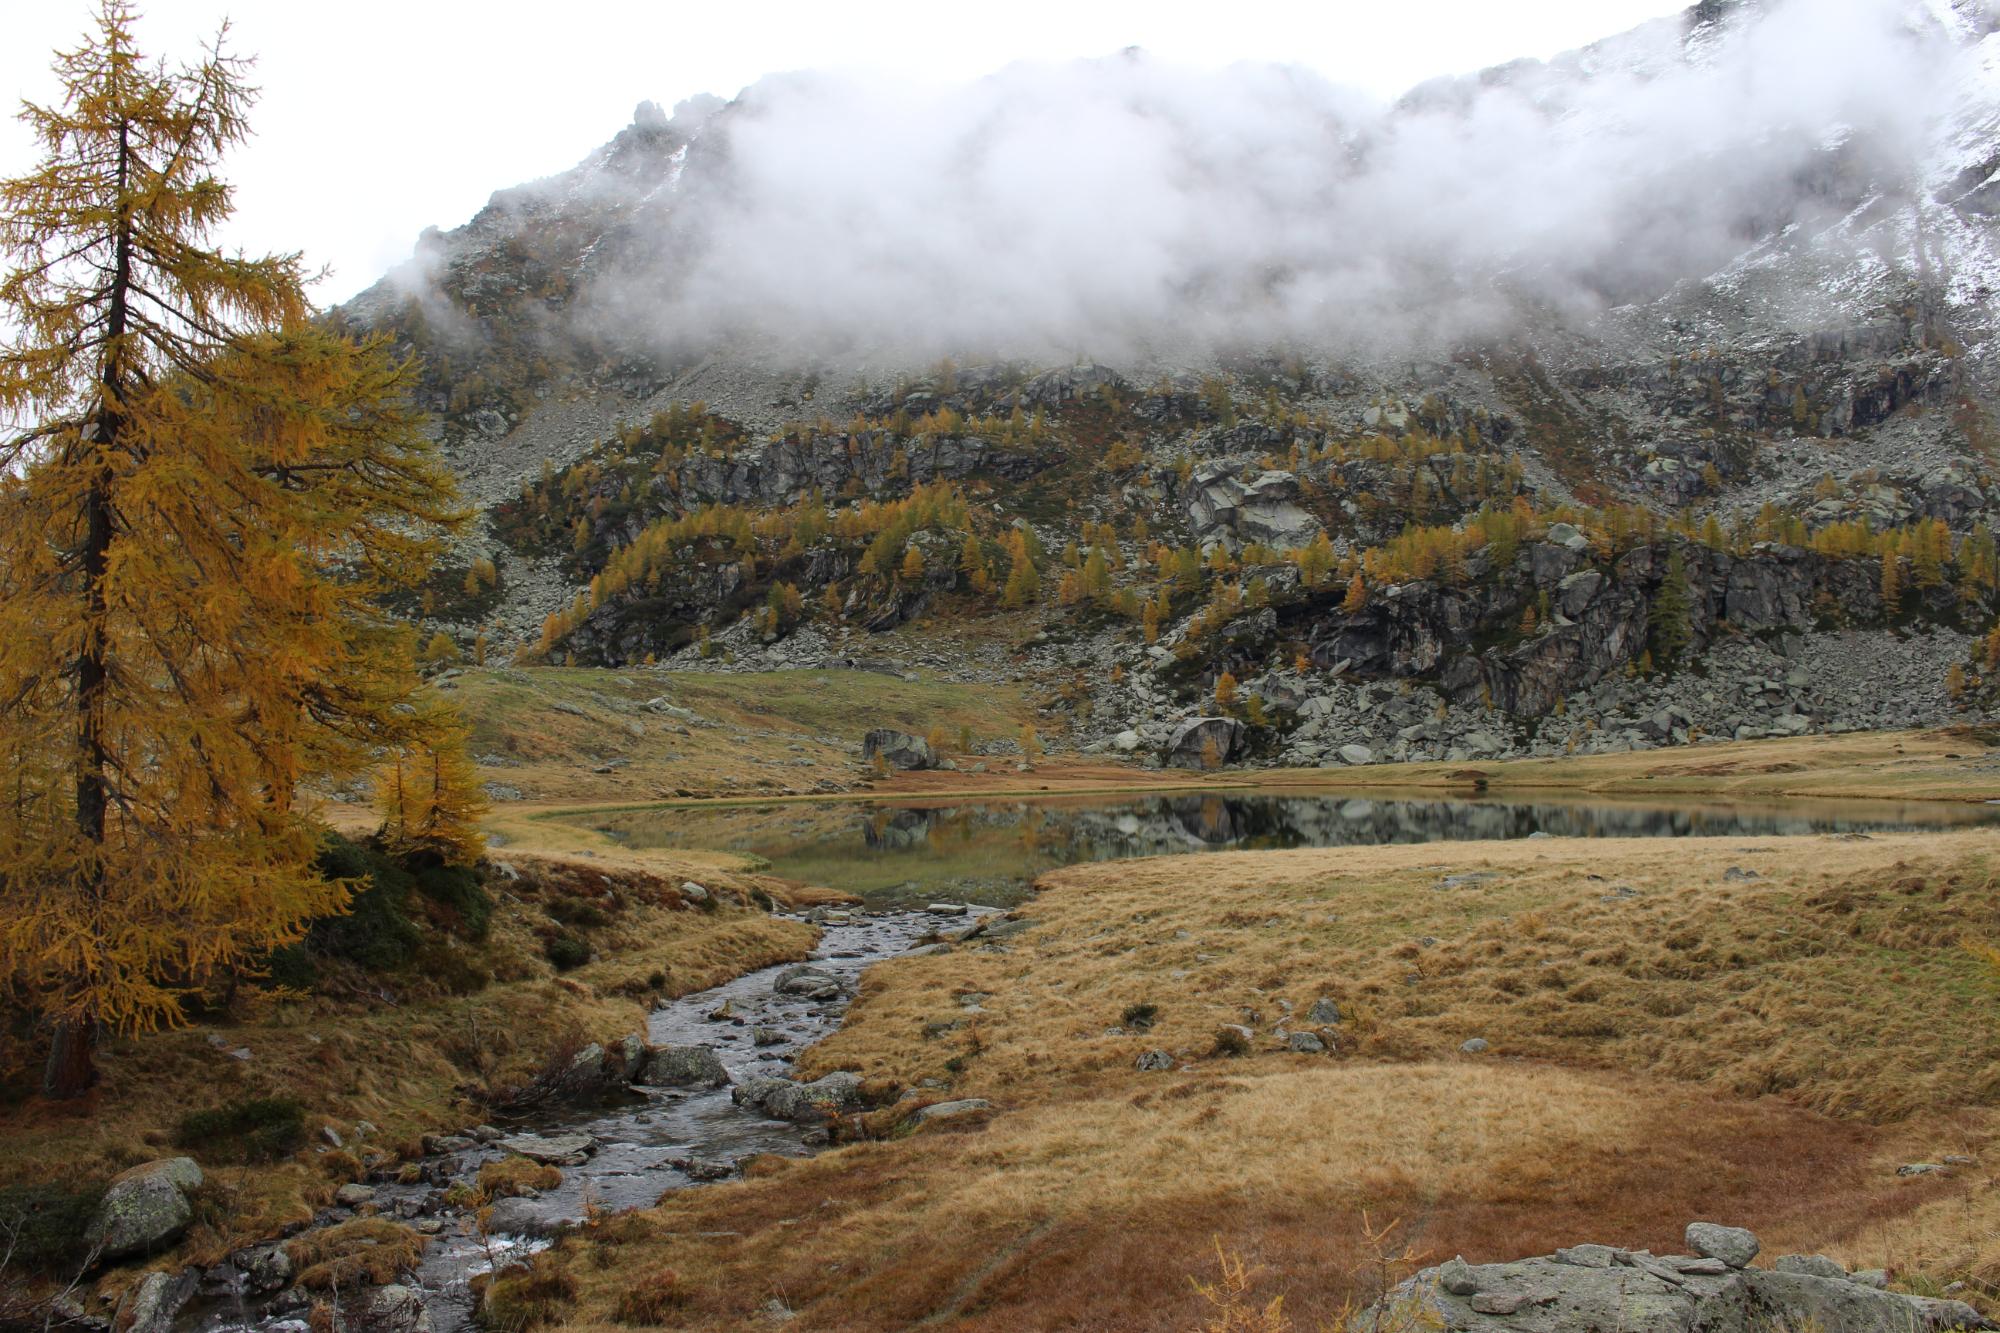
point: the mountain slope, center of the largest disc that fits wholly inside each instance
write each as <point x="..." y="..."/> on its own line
<point x="1574" y="405"/>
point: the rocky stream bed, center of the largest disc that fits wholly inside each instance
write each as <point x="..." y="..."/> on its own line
<point x="705" y="1087"/>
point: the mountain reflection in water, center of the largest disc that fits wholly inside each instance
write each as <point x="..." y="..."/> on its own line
<point x="988" y="850"/>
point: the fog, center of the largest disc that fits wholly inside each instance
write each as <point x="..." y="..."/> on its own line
<point x="1126" y="203"/>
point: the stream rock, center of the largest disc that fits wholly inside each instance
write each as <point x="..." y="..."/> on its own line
<point x="391" y="1309"/>
<point x="683" y="1067"/>
<point x="550" y="1150"/>
<point x="145" y="1209"/>
<point x="802" y="1103"/>
<point x="150" y="1306"/>
<point x="525" y="1217"/>
<point x="810" y="982"/>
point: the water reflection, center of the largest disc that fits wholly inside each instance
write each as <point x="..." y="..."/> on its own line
<point x="986" y="851"/>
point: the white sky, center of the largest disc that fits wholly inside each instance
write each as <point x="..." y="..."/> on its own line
<point x="380" y="118"/>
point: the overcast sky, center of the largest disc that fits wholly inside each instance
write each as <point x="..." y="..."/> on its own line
<point x="380" y="118"/>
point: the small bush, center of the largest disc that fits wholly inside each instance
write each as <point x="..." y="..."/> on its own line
<point x="457" y="890"/>
<point x="47" y="1223"/>
<point x="261" y="1129"/>
<point x="1139" y="1017"/>
<point x="578" y="913"/>
<point x="566" y="952"/>
<point x="1230" y="1040"/>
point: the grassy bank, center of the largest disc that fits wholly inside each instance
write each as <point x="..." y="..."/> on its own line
<point x="563" y="734"/>
<point x="271" y="1067"/>
<point x="1759" y="1030"/>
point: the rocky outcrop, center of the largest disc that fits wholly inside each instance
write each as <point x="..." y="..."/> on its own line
<point x="145" y="1209"/>
<point x="897" y="749"/>
<point x="1223" y="507"/>
<point x="1711" y="1290"/>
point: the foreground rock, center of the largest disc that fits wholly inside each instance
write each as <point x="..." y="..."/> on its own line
<point x="145" y="1209"/>
<point x="1590" y="1287"/>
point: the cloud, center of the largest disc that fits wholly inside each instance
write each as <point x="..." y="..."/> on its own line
<point x="1123" y="204"/>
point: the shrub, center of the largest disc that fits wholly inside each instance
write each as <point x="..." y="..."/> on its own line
<point x="458" y="891"/>
<point x="566" y="952"/>
<point x="1139" y="1017"/>
<point x="260" y="1129"/>
<point x="577" y="913"/>
<point x="47" y="1224"/>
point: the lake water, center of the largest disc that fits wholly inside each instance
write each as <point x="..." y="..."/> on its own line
<point x="987" y="851"/>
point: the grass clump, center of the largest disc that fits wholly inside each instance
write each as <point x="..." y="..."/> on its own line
<point x="646" y="1302"/>
<point x="525" y="1296"/>
<point x="512" y="1177"/>
<point x="369" y="1251"/>
<point x="257" y="1129"/>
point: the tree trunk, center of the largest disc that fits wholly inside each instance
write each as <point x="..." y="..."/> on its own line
<point x="71" y="1070"/>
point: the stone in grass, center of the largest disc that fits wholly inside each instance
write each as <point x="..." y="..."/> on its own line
<point x="1305" y="1043"/>
<point x="1323" y="1012"/>
<point x="1476" y="1046"/>
<point x="145" y="1209"/>
<point x="1154" y="1062"/>
<point x="938" y="1112"/>
<point x="1733" y="1245"/>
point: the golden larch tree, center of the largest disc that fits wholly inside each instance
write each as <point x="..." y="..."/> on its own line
<point x="185" y="460"/>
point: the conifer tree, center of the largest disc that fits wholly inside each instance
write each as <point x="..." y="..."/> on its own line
<point x="1669" y="620"/>
<point x="1357" y="595"/>
<point x="1892" y="582"/>
<point x="430" y="796"/>
<point x="183" y="458"/>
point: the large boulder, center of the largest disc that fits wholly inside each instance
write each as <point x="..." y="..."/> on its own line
<point x="1227" y="509"/>
<point x="145" y="1209"/>
<point x="550" y="1149"/>
<point x="1203" y="742"/>
<point x="898" y="749"/>
<point x="683" y="1067"/>
<point x="1605" y="1287"/>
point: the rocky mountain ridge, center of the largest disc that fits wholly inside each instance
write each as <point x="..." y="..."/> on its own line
<point x="1834" y="373"/>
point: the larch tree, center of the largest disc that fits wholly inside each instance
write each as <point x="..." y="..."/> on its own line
<point x="203" y="497"/>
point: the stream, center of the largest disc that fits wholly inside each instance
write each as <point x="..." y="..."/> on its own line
<point x="637" y="1143"/>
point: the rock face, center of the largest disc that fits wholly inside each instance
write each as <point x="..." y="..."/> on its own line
<point x="1203" y="742"/>
<point x="898" y="749"/>
<point x="1604" y="1287"/>
<point x="1225" y="508"/>
<point x="683" y="1067"/>
<point x="145" y="1208"/>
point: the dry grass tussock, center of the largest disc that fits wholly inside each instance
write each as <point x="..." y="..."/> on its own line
<point x="408" y="1065"/>
<point x="1668" y="1041"/>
